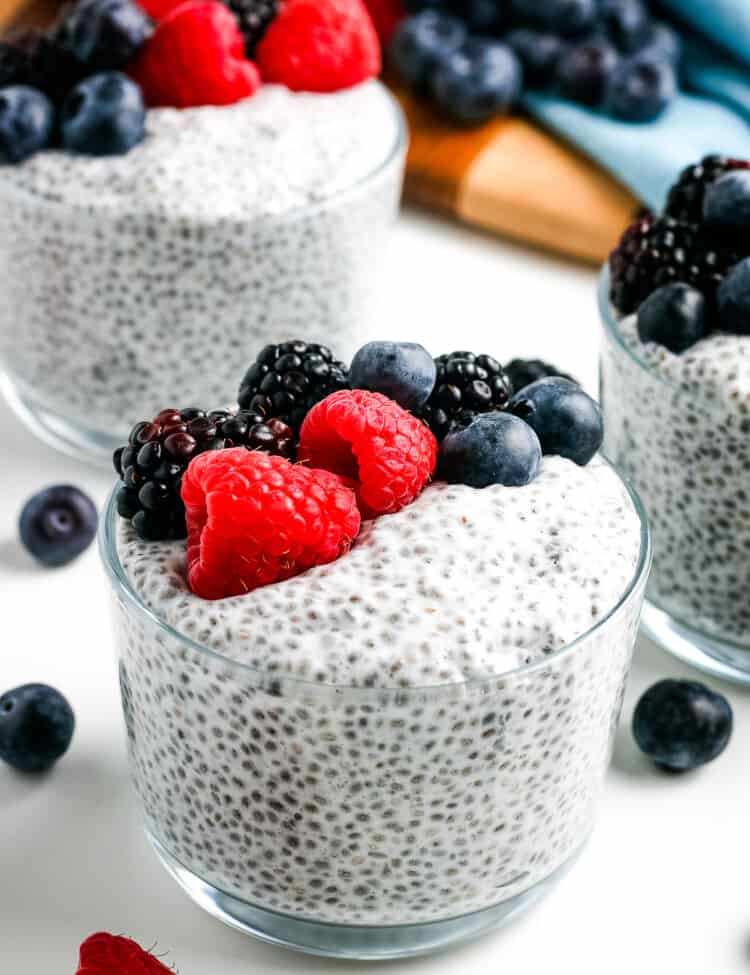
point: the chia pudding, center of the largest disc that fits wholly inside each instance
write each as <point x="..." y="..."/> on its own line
<point x="679" y="427"/>
<point x="129" y="281"/>
<point x="414" y="732"/>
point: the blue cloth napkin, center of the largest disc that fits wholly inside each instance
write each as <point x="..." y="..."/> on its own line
<point x="711" y="114"/>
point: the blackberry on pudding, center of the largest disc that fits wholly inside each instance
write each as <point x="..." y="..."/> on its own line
<point x="675" y="393"/>
<point x="288" y="379"/>
<point x="465" y="385"/>
<point x="249" y="197"/>
<point x="524" y="372"/>
<point x="152" y="463"/>
<point x="362" y="696"/>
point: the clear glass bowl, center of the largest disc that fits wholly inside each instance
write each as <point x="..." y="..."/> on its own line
<point x="105" y="316"/>
<point x="359" y="822"/>
<point x="670" y="443"/>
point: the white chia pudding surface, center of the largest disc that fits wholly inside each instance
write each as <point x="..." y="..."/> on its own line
<point x="156" y="276"/>
<point x="443" y="782"/>
<point x="679" y="427"/>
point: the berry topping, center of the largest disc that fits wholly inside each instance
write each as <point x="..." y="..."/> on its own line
<point x="254" y="519"/>
<point x="585" y="69"/>
<point x="479" y="80"/>
<point x="105" y="954"/>
<point x="524" y="372"/>
<point x="422" y="42"/>
<point x="320" y="45"/>
<point x="36" y="727"/>
<point x="640" y="88"/>
<point x="27" y="121"/>
<point x="567" y="421"/>
<point x="38" y="60"/>
<point x="103" y="115"/>
<point x="539" y="54"/>
<point x="626" y="22"/>
<point x="466" y="384"/>
<point x="682" y="724"/>
<point x="495" y="448"/>
<point x="673" y="316"/>
<point x="653" y="252"/>
<point x="196" y="57"/>
<point x="566" y="17"/>
<point x="254" y="18"/>
<point x="685" y="200"/>
<point x="287" y="380"/>
<point x="726" y="206"/>
<point x="386" y="16"/>
<point x="255" y="432"/>
<point x="403" y="371"/>
<point x="103" y="34"/>
<point x="733" y="300"/>
<point x="372" y="440"/>
<point x="58" y="524"/>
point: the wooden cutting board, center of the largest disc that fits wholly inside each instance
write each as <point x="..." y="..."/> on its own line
<point x="509" y="176"/>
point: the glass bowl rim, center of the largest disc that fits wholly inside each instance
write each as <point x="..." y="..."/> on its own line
<point x="393" y="154"/>
<point x="121" y="585"/>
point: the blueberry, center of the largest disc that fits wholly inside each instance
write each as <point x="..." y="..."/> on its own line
<point x="640" y="88"/>
<point x="726" y="205"/>
<point x="663" y="41"/>
<point x="733" y="299"/>
<point x="104" y="34"/>
<point x="27" y="122"/>
<point x="538" y="52"/>
<point x="420" y="42"/>
<point x="480" y="80"/>
<point x="566" y="17"/>
<point x="495" y="448"/>
<point x="627" y="23"/>
<point x="682" y="724"/>
<point x="103" y="115"/>
<point x="567" y="421"/>
<point x="404" y="371"/>
<point x="58" y="524"/>
<point x="673" y="316"/>
<point x="482" y="16"/>
<point x="36" y="727"/>
<point x="584" y="71"/>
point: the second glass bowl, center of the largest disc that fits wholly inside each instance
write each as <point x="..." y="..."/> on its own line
<point x="688" y="457"/>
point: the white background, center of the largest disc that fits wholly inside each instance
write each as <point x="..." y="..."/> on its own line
<point x="663" y="887"/>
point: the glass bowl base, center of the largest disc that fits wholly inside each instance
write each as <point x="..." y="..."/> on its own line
<point x="730" y="661"/>
<point x="347" y="940"/>
<point x="82" y="443"/>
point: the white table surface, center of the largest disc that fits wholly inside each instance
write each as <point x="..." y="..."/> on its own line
<point x="661" y="888"/>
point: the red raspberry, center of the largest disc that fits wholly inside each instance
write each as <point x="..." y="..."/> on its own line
<point x="158" y="9"/>
<point x="320" y="45"/>
<point x="386" y="15"/>
<point x="105" y="954"/>
<point x="196" y="57"/>
<point x="368" y="437"/>
<point x="254" y="519"/>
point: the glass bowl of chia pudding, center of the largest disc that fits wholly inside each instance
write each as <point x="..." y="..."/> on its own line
<point x="130" y="281"/>
<point x="678" y="426"/>
<point x="403" y="748"/>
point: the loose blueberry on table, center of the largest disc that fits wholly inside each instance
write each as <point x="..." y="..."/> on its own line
<point x="682" y="724"/>
<point x="58" y="524"/>
<point x="36" y="727"/>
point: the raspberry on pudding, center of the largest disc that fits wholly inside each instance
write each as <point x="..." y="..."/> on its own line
<point x="675" y="395"/>
<point x="193" y="197"/>
<point x="375" y="689"/>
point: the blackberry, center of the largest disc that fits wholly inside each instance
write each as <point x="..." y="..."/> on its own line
<point x="654" y="252"/>
<point x="466" y="385"/>
<point x="685" y="200"/>
<point x="524" y="372"/>
<point x="287" y="380"/>
<point x="158" y="452"/>
<point x="36" y="59"/>
<point x="254" y="17"/>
